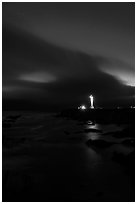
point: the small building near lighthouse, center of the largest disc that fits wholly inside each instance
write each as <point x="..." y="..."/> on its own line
<point x="82" y="107"/>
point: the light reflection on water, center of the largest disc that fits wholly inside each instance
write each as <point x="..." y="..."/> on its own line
<point x="103" y="128"/>
<point x="94" y="126"/>
<point x="93" y="135"/>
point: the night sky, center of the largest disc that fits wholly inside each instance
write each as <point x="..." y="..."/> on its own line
<point x="56" y="54"/>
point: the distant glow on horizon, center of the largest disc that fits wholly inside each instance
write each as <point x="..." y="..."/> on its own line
<point x="127" y="77"/>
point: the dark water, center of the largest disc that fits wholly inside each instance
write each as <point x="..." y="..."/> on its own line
<point x="46" y="158"/>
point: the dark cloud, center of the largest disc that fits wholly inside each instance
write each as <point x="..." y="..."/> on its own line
<point x="41" y="74"/>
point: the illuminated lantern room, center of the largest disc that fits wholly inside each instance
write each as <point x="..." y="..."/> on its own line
<point x="91" y="101"/>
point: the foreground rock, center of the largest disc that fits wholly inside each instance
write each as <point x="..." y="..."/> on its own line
<point x="128" y="163"/>
<point x="8" y="122"/>
<point x="126" y="160"/>
<point x="129" y="142"/>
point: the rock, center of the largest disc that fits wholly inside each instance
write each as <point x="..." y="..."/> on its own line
<point x="128" y="163"/>
<point x="126" y="160"/>
<point x="78" y="132"/>
<point x="14" y="117"/>
<point x="6" y="125"/>
<point x="66" y="132"/>
<point x="129" y="142"/>
<point x="99" y="143"/>
<point x="92" y="130"/>
<point x="127" y="132"/>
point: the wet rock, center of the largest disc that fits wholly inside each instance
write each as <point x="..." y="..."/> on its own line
<point x="66" y="132"/>
<point x="14" y="117"/>
<point x="91" y="122"/>
<point x="92" y="130"/>
<point x="99" y="143"/>
<point x="81" y="123"/>
<point x="99" y="194"/>
<point x="78" y="132"/>
<point x="6" y="125"/>
<point x="127" y="132"/>
<point x="126" y="160"/>
<point x="128" y="163"/>
<point x="75" y="139"/>
<point x="129" y="142"/>
<point x="109" y="133"/>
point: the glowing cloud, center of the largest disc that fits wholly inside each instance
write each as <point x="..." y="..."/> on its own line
<point x="120" y="70"/>
<point x="38" y="77"/>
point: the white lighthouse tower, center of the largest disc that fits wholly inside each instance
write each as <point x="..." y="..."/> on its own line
<point x="91" y="101"/>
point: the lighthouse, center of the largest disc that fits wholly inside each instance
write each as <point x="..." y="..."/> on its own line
<point x="91" y="101"/>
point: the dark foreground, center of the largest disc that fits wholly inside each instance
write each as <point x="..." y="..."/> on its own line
<point x="72" y="156"/>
